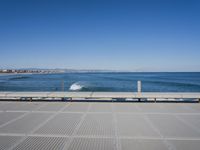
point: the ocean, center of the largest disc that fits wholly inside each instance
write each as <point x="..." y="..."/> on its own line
<point x="115" y="82"/>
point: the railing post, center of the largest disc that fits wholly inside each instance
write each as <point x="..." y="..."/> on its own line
<point x="139" y="89"/>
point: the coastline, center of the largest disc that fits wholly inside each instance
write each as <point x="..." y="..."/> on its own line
<point x="10" y="74"/>
<point x="7" y="74"/>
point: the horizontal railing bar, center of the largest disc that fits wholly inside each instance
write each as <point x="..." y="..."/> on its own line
<point x="153" y="95"/>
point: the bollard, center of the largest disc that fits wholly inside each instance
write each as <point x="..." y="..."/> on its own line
<point x="139" y="89"/>
<point x="139" y="86"/>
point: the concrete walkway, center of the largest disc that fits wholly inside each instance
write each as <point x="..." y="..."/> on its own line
<point x="99" y="126"/>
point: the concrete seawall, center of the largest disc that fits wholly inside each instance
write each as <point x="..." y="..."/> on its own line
<point x="101" y="95"/>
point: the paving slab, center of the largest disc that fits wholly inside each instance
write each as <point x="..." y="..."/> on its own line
<point x="9" y="116"/>
<point x="92" y="144"/>
<point x="100" y="107"/>
<point x="132" y="125"/>
<point x="25" y="124"/>
<point x="7" y="142"/>
<point x="126" y="107"/>
<point x="77" y="107"/>
<point x="62" y="124"/>
<point x="52" y="106"/>
<point x="171" y="127"/>
<point x="42" y="143"/>
<point x="97" y="125"/>
<point x="143" y="144"/>
<point x="186" y="144"/>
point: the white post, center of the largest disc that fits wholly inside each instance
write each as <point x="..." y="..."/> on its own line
<point x="139" y="87"/>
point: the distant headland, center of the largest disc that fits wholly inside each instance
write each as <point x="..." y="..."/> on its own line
<point x="29" y="71"/>
<point x="48" y="71"/>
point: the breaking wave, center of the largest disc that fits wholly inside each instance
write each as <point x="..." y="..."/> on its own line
<point x="85" y="86"/>
<point x="76" y="87"/>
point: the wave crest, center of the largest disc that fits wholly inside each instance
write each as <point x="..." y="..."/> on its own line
<point x="76" y="87"/>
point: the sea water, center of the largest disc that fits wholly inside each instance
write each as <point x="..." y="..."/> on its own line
<point x="117" y="81"/>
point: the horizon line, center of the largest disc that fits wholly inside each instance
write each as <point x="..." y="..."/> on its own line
<point x="95" y="70"/>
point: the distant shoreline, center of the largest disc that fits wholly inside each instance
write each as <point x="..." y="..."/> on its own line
<point x="6" y="74"/>
<point x="13" y="73"/>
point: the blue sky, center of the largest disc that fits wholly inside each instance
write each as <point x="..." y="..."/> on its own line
<point x="136" y="35"/>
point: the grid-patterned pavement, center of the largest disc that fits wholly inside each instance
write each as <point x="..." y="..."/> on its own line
<point x="99" y="126"/>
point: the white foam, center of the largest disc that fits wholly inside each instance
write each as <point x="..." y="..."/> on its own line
<point x="75" y="87"/>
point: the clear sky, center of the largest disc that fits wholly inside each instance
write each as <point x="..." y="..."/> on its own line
<point x="136" y="35"/>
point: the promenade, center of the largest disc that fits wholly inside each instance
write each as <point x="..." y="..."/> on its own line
<point x="99" y="126"/>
